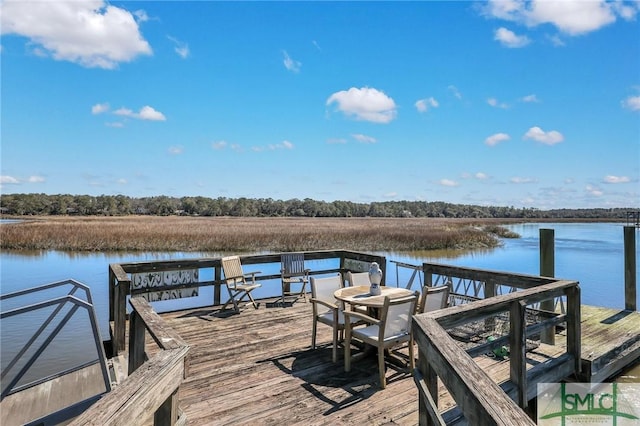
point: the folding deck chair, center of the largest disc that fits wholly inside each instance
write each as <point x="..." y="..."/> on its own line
<point x="239" y="284"/>
<point x="293" y="272"/>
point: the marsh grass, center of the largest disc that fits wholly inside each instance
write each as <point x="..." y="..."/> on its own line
<point x="231" y="234"/>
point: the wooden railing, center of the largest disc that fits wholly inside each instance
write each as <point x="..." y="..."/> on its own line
<point x="120" y="279"/>
<point x="478" y="397"/>
<point x="151" y="389"/>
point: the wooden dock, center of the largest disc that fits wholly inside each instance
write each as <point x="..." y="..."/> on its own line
<point x="258" y="368"/>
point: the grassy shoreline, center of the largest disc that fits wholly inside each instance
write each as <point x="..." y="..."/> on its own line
<point x="247" y="234"/>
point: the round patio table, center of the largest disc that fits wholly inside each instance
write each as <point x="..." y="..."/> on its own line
<point x="359" y="295"/>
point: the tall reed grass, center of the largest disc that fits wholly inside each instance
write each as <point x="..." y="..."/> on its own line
<point x="231" y="234"/>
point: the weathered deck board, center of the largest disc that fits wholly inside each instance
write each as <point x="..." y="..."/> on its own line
<point x="258" y="368"/>
<point x="610" y="341"/>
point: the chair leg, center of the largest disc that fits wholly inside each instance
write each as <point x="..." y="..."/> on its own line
<point x="255" y="305"/>
<point x="334" y="352"/>
<point x="313" y="333"/>
<point x="383" y="380"/>
<point x="412" y="360"/>
<point x="347" y="348"/>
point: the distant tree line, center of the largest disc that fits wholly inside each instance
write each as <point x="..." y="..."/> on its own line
<point x="119" y="205"/>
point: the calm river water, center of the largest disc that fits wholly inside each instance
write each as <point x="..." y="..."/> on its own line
<point x="591" y="253"/>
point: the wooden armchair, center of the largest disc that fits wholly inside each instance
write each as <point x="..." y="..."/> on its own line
<point x="392" y="329"/>
<point x="327" y="310"/>
<point x="434" y="298"/>
<point x="238" y="283"/>
<point x="292" y="271"/>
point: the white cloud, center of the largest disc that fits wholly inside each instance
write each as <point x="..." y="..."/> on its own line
<point x="616" y="179"/>
<point x="496" y="104"/>
<point x="481" y="176"/>
<point x="594" y="191"/>
<point x="530" y="98"/>
<point x="571" y="17"/>
<point x="510" y="39"/>
<point x="91" y="33"/>
<point x="218" y="145"/>
<point x="363" y="138"/>
<point x="548" y="138"/>
<point x="115" y="124"/>
<point x="176" y="150"/>
<point x="290" y="63"/>
<point x="181" y="48"/>
<point x="495" y="139"/>
<point x="5" y="179"/>
<point x="632" y="103"/>
<point x="145" y="113"/>
<point x="521" y="180"/>
<point x="121" y="181"/>
<point x="35" y="179"/>
<point x="455" y="92"/>
<point x="99" y="108"/>
<point x="336" y="141"/>
<point x="448" y="182"/>
<point x="390" y="195"/>
<point x="365" y="104"/>
<point x="423" y="105"/>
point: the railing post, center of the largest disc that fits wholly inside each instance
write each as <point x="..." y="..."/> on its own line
<point x="217" y="272"/>
<point x="517" y="352"/>
<point x="573" y="326"/>
<point x="136" y="341"/>
<point x="112" y="284"/>
<point x="167" y="413"/>
<point x="630" y="297"/>
<point x="120" y="312"/>
<point x="547" y="269"/>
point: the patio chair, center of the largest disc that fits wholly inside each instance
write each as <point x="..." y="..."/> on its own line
<point x="292" y="271"/>
<point x="393" y="328"/>
<point x="327" y="310"/>
<point x="357" y="278"/>
<point x="434" y="298"/>
<point x="239" y="284"/>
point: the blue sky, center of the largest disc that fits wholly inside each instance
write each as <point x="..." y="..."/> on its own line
<point x="510" y="103"/>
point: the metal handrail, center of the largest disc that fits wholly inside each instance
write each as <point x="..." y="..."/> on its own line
<point x="60" y="303"/>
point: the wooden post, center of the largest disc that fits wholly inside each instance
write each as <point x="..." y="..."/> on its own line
<point x="217" y="272"/>
<point x="630" y="297"/>
<point x="167" y="413"/>
<point x="120" y="315"/>
<point x="574" y="337"/>
<point x="517" y="351"/>
<point x="136" y="341"/>
<point x="547" y="269"/>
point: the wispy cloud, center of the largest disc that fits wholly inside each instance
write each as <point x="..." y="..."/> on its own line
<point x="100" y="108"/>
<point x="495" y="139"/>
<point x="510" y="39"/>
<point x="455" y="92"/>
<point x="497" y="104"/>
<point x="8" y="180"/>
<point x="290" y="63"/>
<point x="632" y="103"/>
<point x="547" y="138"/>
<point x="448" y="182"/>
<point x="522" y="180"/>
<point x="176" y="150"/>
<point x="181" y="48"/>
<point x="594" y="191"/>
<point x="366" y="104"/>
<point x="616" y="179"/>
<point x="530" y="98"/>
<point x="145" y="113"/>
<point x="363" y="138"/>
<point x="423" y="105"/>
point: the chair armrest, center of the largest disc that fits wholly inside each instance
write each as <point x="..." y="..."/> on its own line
<point x="361" y="316"/>
<point x="323" y="303"/>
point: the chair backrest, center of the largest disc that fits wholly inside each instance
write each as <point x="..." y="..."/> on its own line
<point x="434" y="298"/>
<point x="358" y="278"/>
<point x="292" y="264"/>
<point x="397" y="314"/>
<point x="232" y="269"/>
<point x="324" y="288"/>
